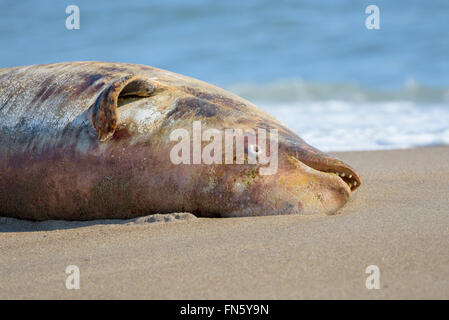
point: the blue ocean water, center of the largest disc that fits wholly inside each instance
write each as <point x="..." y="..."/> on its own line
<point x="312" y="64"/>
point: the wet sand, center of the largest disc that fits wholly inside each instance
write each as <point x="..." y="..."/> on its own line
<point x="398" y="220"/>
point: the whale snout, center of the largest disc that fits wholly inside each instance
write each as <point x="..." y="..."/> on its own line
<point x="312" y="182"/>
<point x="326" y="164"/>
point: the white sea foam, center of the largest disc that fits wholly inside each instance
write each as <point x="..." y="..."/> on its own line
<point x="349" y="117"/>
<point x="342" y="126"/>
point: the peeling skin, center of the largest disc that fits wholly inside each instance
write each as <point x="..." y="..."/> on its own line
<point x="90" y="140"/>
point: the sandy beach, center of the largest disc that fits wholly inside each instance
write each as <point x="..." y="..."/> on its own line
<point x="398" y="220"/>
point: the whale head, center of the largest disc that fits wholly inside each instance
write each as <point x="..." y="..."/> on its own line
<point x="220" y="154"/>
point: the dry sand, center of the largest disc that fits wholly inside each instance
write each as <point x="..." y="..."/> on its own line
<point x="398" y="220"/>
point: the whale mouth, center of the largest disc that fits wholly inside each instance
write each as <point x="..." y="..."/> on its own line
<point x="323" y="163"/>
<point x="327" y="165"/>
<point x="338" y="169"/>
<point x="334" y="167"/>
<point x="351" y="179"/>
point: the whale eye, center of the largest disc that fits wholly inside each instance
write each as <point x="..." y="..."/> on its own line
<point x="253" y="150"/>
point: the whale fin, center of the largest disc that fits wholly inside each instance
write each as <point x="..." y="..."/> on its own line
<point x="104" y="110"/>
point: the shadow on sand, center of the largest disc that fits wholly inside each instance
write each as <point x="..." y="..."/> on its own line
<point x="18" y="225"/>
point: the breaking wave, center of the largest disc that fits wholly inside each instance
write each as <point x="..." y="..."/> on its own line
<point x="346" y="117"/>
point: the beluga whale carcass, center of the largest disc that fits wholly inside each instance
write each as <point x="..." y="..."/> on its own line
<point x="90" y="140"/>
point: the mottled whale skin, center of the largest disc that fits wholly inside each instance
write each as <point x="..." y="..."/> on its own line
<point x="89" y="140"/>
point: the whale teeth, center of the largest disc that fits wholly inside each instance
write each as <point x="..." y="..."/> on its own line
<point x="348" y="178"/>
